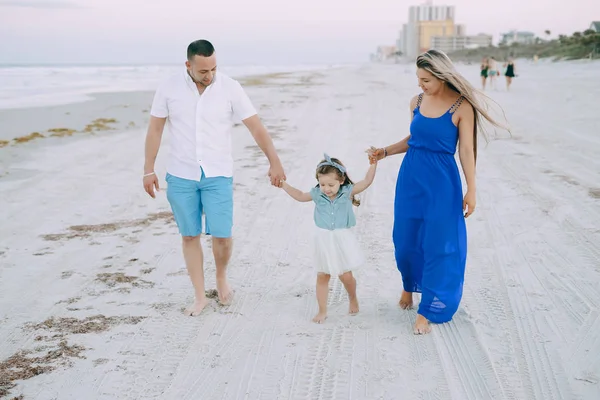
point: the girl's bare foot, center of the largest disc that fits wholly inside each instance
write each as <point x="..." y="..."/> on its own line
<point x="350" y="285"/>
<point x="353" y="306"/>
<point x="196" y="308"/>
<point x="320" y="318"/>
<point x="406" y="300"/>
<point x="422" y="326"/>
<point x="225" y="293"/>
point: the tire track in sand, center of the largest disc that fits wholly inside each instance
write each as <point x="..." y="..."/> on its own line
<point x="579" y="253"/>
<point x="464" y="358"/>
<point x="545" y="378"/>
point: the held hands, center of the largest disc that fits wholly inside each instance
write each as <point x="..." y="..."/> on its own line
<point x="375" y="154"/>
<point x="276" y="174"/>
<point x="469" y="203"/>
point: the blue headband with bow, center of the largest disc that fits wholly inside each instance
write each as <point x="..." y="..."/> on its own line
<point x="329" y="161"/>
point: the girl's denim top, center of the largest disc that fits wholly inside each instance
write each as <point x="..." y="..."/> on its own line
<point x="336" y="213"/>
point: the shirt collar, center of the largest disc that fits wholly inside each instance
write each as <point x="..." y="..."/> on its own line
<point x="192" y="85"/>
<point x="337" y="196"/>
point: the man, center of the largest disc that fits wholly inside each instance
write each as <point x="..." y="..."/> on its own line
<point x="199" y="105"/>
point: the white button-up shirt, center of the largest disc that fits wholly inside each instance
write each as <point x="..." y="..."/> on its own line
<point x="200" y="124"/>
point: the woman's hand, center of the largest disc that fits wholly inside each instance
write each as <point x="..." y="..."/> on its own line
<point x="469" y="203"/>
<point x="375" y="154"/>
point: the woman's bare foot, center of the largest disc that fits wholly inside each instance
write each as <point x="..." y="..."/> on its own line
<point x="353" y="306"/>
<point x="196" y="308"/>
<point x="225" y="293"/>
<point x="422" y="326"/>
<point x="320" y="318"/>
<point x="406" y="300"/>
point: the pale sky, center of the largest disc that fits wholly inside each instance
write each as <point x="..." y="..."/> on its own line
<point x="248" y="31"/>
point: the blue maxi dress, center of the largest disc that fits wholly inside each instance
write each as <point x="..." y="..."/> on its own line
<point x="430" y="236"/>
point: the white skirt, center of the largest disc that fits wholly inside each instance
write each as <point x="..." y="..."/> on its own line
<point x="337" y="251"/>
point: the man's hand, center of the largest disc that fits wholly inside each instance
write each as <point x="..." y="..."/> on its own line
<point x="151" y="183"/>
<point x="276" y="174"/>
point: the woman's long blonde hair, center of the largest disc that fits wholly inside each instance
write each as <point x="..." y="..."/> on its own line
<point x="439" y="65"/>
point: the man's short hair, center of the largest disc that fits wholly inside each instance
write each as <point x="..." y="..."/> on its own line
<point x="202" y="48"/>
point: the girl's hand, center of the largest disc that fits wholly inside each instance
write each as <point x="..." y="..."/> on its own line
<point x="375" y="154"/>
<point x="469" y="203"/>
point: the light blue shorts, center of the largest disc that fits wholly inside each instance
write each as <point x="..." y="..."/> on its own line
<point x="212" y="197"/>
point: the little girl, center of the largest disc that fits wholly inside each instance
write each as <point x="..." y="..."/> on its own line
<point x="336" y="249"/>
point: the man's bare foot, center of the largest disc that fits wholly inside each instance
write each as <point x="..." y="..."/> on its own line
<point x="406" y="300"/>
<point x="353" y="306"/>
<point x="196" y="308"/>
<point x="320" y="318"/>
<point x="225" y="293"/>
<point x="422" y="326"/>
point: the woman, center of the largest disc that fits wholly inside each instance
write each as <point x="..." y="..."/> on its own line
<point x="509" y="72"/>
<point x="430" y="237"/>
<point x="484" y="72"/>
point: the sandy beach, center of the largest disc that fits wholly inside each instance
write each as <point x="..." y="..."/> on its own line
<point x="93" y="282"/>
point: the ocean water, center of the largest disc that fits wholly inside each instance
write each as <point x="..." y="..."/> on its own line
<point x="38" y="86"/>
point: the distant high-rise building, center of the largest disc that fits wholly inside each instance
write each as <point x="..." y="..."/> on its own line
<point x="429" y="12"/>
<point x="400" y="42"/>
<point x="517" y="37"/>
<point x="460" y="30"/>
<point x="449" y="44"/>
<point x="424" y="22"/>
<point x="432" y="27"/>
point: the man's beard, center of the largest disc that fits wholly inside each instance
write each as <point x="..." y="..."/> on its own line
<point x="198" y="82"/>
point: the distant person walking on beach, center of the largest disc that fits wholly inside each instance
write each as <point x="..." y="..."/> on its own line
<point x="484" y="72"/>
<point x="198" y="105"/>
<point x="429" y="234"/>
<point x="336" y="250"/>
<point x="509" y="72"/>
<point x="493" y="71"/>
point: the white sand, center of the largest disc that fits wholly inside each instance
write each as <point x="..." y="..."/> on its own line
<point x="528" y="327"/>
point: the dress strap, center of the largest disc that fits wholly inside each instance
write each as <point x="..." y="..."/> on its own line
<point x="419" y="100"/>
<point x="456" y="105"/>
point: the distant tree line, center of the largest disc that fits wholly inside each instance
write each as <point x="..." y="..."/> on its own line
<point x="579" y="45"/>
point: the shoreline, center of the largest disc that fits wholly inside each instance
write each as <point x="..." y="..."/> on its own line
<point x="36" y="86"/>
<point x="114" y="111"/>
<point x="25" y="130"/>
